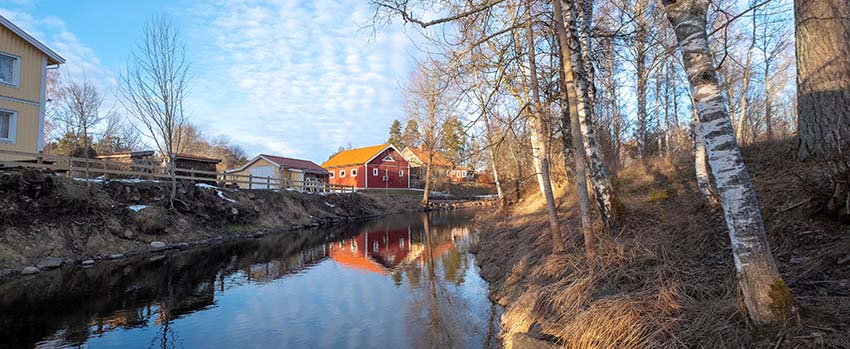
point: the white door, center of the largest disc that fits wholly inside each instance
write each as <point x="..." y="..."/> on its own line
<point x="262" y="172"/>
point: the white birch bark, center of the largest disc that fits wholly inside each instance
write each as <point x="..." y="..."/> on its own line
<point x="701" y="166"/>
<point x="603" y="189"/>
<point x="538" y="141"/>
<point x="758" y="277"/>
<point x="568" y="96"/>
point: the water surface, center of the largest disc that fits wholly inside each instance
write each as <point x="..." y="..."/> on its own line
<point x="397" y="282"/>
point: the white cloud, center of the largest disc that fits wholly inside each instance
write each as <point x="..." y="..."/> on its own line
<point x="295" y="77"/>
<point x="54" y="33"/>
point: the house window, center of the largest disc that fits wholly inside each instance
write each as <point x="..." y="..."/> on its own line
<point x="401" y="242"/>
<point x="331" y="173"/>
<point x="375" y="246"/>
<point x="401" y="173"/>
<point x="388" y="158"/>
<point x="8" y="121"/>
<point x="354" y="173"/>
<point x="10" y="67"/>
<point x="375" y="172"/>
<point x="341" y="173"/>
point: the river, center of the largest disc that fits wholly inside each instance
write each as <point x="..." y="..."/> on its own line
<point x="402" y="281"/>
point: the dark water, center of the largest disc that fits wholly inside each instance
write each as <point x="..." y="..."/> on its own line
<point x="397" y="282"/>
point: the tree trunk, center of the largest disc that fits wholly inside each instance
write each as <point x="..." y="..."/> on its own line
<point x="427" y="191"/>
<point x="766" y="297"/>
<point x="568" y="96"/>
<point x="701" y="165"/>
<point x="768" y="101"/>
<point x="667" y="78"/>
<point x="576" y="79"/>
<point x="742" y="113"/>
<point x="642" y="76"/>
<point x="518" y="169"/>
<point x="823" y="76"/>
<point x="538" y="141"/>
<point x="493" y="167"/>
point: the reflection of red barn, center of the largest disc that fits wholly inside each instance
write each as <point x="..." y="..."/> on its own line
<point x="375" y="251"/>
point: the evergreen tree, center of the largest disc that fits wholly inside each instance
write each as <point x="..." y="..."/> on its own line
<point x="396" y="137"/>
<point x="411" y="136"/>
<point x="454" y="141"/>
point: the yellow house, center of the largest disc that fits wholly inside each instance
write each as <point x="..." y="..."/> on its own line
<point x="23" y="78"/>
<point x="273" y="169"/>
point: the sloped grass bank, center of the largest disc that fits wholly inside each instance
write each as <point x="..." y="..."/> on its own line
<point x="664" y="277"/>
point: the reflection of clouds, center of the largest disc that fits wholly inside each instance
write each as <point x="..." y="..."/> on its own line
<point x="275" y="293"/>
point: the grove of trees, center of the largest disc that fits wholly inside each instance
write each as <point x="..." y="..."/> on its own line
<point x="581" y="89"/>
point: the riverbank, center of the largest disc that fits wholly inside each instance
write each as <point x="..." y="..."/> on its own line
<point x="664" y="276"/>
<point x="51" y="221"/>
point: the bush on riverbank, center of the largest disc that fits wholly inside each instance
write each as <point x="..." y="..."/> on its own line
<point x="664" y="276"/>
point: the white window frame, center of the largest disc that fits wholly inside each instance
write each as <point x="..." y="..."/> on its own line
<point x="375" y="172"/>
<point x="388" y="158"/>
<point x="401" y="173"/>
<point x="354" y="172"/>
<point x="341" y="173"/>
<point x="16" y="71"/>
<point x="13" y="127"/>
<point x="331" y="174"/>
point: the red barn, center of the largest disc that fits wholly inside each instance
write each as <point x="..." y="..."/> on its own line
<point x="379" y="166"/>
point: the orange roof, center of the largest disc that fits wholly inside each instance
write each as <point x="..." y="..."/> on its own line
<point x="357" y="261"/>
<point x="357" y="156"/>
<point x="422" y="154"/>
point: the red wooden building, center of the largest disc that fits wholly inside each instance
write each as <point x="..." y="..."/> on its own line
<point x="379" y="166"/>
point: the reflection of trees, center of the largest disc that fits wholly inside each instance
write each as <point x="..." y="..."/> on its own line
<point x="69" y="308"/>
<point x="65" y="308"/>
<point x="436" y="300"/>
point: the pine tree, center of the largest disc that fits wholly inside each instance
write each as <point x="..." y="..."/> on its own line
<point x="396" y="137"/>
<point x="411" y="134"/>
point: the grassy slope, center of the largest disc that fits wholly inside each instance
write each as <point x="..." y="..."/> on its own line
<point x="665" y="276"/>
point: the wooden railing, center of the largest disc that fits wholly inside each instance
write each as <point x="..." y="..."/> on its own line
<point x="87" y="168"/>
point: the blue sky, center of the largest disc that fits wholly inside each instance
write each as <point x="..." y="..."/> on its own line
<point x="286" y="77"/>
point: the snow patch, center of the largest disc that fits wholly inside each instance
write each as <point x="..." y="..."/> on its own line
<point x="136" y="208"/>
<point x="205" y="186"/>
<point x="221" y="195"/>
<point x="329" y="204"/>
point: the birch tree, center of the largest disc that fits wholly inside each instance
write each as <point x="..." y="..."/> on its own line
<point x="539" y="136"/>
<point x="578" y="79"/>
<point x="154" y="86"/>
<point x="766" y="297"/>
<point x="568" y="96"/>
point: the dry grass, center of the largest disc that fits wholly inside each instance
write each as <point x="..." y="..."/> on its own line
<point x="664" y="277"/>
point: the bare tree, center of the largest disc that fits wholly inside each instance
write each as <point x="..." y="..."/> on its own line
<point x="766" y="296"/>
<point x="570" y="98"/>
<point x="79" y="110"/>
<point x="154" y="86"/>
<point x="539" y="139"/>
<point x="118" y="135"/>
<point x="427" y="101"/>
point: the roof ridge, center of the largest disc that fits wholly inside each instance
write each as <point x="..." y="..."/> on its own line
<point x="31" y="40"/>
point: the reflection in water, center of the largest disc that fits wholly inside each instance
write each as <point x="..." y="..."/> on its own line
<point x="400" y="281"/>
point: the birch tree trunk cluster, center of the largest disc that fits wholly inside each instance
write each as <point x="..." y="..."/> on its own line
<point x="569" y="91"/>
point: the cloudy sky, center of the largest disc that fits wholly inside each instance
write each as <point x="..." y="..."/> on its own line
<point x="289" y="77"/>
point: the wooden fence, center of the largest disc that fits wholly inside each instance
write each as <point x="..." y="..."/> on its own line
<point x="149" y="170"/>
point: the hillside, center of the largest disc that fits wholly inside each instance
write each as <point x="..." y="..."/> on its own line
<point x="665" y="275"/>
